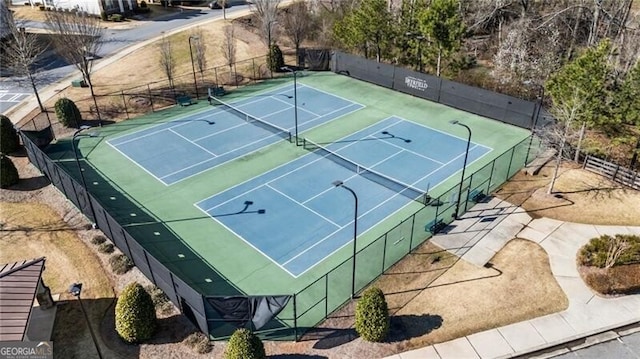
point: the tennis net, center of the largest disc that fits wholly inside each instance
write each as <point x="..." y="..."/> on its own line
<point x="372" y="175"/>
<point x="286" y="134"/>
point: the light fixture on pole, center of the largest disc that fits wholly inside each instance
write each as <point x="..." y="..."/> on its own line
<point x="295" y="100"/>
<point x="75" y="289"/>
<point x="355" y="234"/>
<point x="75" y="155"/>
<point x="193" y="66"/>
<point x="464" y="165"/>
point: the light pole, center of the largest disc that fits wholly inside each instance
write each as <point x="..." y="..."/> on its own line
<point x="193" y="67"/>
<point x="295" y="100"/>
<point x="355" y="234"/>
<point x="75" y="289"/>
<point x="84" y="182"/>
<point x="464" y="165"/>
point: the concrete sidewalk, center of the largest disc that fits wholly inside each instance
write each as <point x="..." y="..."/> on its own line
<point x="482" y="232"/>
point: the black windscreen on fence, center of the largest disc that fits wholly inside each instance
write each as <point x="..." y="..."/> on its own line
<point x="504" y="108"/>
<point x="417" y="84"/>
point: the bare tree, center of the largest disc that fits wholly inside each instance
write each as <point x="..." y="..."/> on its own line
<point x="297" y="23"/>
<point x="78" y="38"/>
<point x="562" y="132"/>
<point x="167" y="61"/>
<point x="200" y="51"/>
<point x="228" y="46"/>
<point x="266" y="11"/>
<point x="21" y="51"/>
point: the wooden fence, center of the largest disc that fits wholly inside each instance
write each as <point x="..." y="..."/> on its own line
<point x="613" y="171"/>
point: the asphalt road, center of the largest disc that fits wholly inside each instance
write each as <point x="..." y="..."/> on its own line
<point x="13" y="90"/>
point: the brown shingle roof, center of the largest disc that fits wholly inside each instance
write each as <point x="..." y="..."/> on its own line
<point x="18" y="285"/>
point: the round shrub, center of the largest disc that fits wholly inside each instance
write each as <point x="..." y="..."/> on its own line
<point x="244" y="345"/>
<point x="98" y="239"/>
<point x="120" y="264"/>
<point x="106" y="248"/>
<point x="609" y="251"/>
<point x="135" y="314"/>
<point x="9" y="141"/>
<point x="67" y="112"/>
<point x="372" y="316"/>
<point x="8" y="172"/>
<point x="198" y="342"/>
<point x="275" y="61"/>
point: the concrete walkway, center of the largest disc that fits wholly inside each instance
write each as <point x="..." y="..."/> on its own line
<point x="482" y="232"/>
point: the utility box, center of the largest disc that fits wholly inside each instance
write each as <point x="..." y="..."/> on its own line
<point x="78" y="83"/>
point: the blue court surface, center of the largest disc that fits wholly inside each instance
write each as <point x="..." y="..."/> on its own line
<point x="296" y="217"/>
<point x="184" y="147"/>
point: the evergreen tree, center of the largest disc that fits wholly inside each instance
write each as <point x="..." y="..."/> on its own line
<point x="443" y="24"/>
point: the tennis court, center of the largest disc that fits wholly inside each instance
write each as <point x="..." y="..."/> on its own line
<point x="192" y="144"/>
<point x="296" y="217"/>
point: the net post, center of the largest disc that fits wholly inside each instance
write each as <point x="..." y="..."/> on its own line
<point x="295" y="319"/>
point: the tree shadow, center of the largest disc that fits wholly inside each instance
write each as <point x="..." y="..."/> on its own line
<point x="31" y="184"/>
<point x="405" y="327"/>
<point x="335" y="338"/>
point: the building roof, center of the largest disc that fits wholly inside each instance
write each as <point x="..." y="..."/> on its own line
<point x="18" y="286"/>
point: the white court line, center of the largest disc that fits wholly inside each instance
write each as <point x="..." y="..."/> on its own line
<point x="137" y="164"/>
<point x="245" y="241"/>
<point x="240" y="124"/>
<point x="220" y="155"/>
<point x="386" y="140"/>
<point x="334" y="95"/>
<point x="181" y="121"/>
<point x="301" y="204"/>
<point x="299" y="107"/>
<point x="261" y="175"/>
<point x="349" y="223"/>
<point x="193" y="143"/>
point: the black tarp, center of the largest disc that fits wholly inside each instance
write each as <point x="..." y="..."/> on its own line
<point x="241" y="310"/>
<point x="317" y="59"/>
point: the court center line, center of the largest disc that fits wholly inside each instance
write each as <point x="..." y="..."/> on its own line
<point x="299" y="107"/>
<point x="309" y="209"/>
<point x="445" y="165"/>
<point x="246" y="241"/>
<point x="240" y="124"/>
<point x="256" y="178"/>
<point x="182" y="120"/>
<point x="219" y="156"/>
<point x="137" y="164"/>
<point x="396" y="194"/>
<point x="410" y="151"/>
<point x="193" y="143"/>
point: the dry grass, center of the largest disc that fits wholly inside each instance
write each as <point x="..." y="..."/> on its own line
<point x="617" y="280"/>
<point x="32" y="230"/>
<point x="579" y="196"/>
<point x="434" y="297"/>
<point x="469" y="299"/>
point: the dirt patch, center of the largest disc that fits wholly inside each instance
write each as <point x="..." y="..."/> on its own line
<point x="579" y="196"/>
